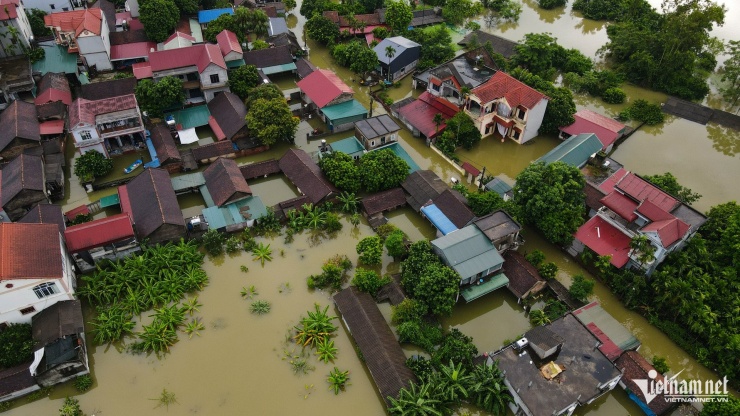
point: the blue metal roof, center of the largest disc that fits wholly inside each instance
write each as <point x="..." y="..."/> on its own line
<point x="221" y="217"/>
<point x="205" y="16"/>
<point x="438" y="219"/>
<point x="346" y="109"/>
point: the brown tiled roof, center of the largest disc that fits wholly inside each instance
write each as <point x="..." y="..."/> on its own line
<point x="285" y="39"/>
<point x="108" y="89"/>
<point x="217" y="149"/>
<point x="523" y="277"/>
<point x="26" y="251"/>
<point x="18" y="120"/>
<point x="392" y="292"/>
<point x="593" y="196"/>
<point x="304" y="67"/>
<point x="16" y="379"/>
<point x="635" y="366"/>
<point x="25" y="172"/>
<point x="450" y="202"/>
<point x="383" y="201"/>
<point x="422" y="186"/>
<point x="58" y="320"/>
<point x="153" y="202"/>
<point x="225" y="182"/>
<point x="497" y="224"/>
<point x="53" y="110"/>
<point x="381" y="352"/>
<point x="500" y="45"/>
<point x="265" y="58"/>
<point x="270" y="11"/>
<point x="260" y="169"/>
<point x="293" y="204"/>
<point x="230" y="112"/>
<point x="306" y="175"/>
<point x="164" y="144"/>
<point x="45" y="214"/>
<point x="128" y="36"/>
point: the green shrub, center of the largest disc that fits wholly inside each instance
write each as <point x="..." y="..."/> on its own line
<point x="395" y="243"/>
<point x="551" y="4"/>
<point x="213" y="242"/>
<point x="369" y="282"/>
<point x="536" y="257"/>
<point x="370" y="250"/>
<point x="92" y="165"/>
<point x="581" y="288"/>
<point x="408" y="311"/>
<point x="644" y="112"/>
<point x="233" y="244"/>
<point x="614" y="95"/>
<point x="548" y="270"/>
<point x="660" y="364"/>
<point x="422" y="334"/>
<point x="71" y="407"/>
<point x="333" y="275"/>
<point x="16" y="345"/>
<point x="83" y="383"/>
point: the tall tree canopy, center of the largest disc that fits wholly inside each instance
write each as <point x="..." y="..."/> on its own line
<point x="187" y="6"/>
<point x="244" y="79"/>
<point x="427" y="280"/>
<point x="321" y="29"/>
<point x="159" y="18"/>
<point x="272" y="120"/>
<point x="341" y="170"/>
<point x="36" y="20"/>
<point x="436" y="45"/>
<point x="731" y="74"/>
<point x="398" y="16"/>
<point x="355" y="55"/>
<point x="463" y="127"/>
<point x="551" y="198"/>
<point x="381" y="170"/>
<point x="154" y="98"/>
<point x="459" y="11"/>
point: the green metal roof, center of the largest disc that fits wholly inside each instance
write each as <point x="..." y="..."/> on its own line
<point x="346" y="109"/>
<point x="188" y="180"/>
<point x="109" y="201"/>
<point x="499" y="186"/>
<point x="56" y="60"/>
<point x="230" y="214"/>
<point x="277" y="69"/>
<point x="473" y="292"/>
<point x="350" y="146"/>
<point x="191" y="117"/>
<point x="235" y="64"/>
<point x="468" y="251"/>
<point x="594" y="315"/>
<point x="575" y="150"/>
<point x="401" y="152"/>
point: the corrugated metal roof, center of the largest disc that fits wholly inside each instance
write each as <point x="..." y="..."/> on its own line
<point x="277" y="69"/>
<point x="499" y="186"/>
<point x="231" y="214"/>
<point x="98" y="233"/>
<point x="56" y="59"/>
<point x="188" y="180"/>
<point x="438" y="219"/>
<point x="350" y="146"/>
<point x="473" y="292"/>
<point x="398" y="43"/>
<point x="346" y="109"/>
<point x="205" y="16"/>
<point x="322" y="86"/>
<point x="468" y="251"/>
<point x="575" y="150"/>
<point x="191" y="117"/>
<point x="586" y="121"/>
<point x="615" y="337"/>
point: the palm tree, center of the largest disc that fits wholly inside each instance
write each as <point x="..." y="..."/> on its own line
<point x="349" y="202"/>
<point x="488" y="390"/>
<point x="438" y="120"/>
<point x="643" y="250"/>
<point x="262" y="253"/>
<point x="390" y="52"/>
<point x="538" y="317"/>
<point x="415" y="401"/>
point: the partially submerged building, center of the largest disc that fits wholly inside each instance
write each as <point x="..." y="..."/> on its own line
<point x="606" y="129"/>
<point x="22" y="185"/>
<point x="306" y="175"/>
<point x="110" y="238"/>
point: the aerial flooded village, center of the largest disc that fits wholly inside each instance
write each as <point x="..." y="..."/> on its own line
<point x="400" y="207"/>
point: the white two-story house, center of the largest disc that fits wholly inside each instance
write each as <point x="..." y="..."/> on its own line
<point x="201" y="68"/>
<point x="15" y="31"/>
<point x="507" y="107"/>
<point x="111" y="126"/>
<point x="85" y="32"/>
<point x="35" y="271"/>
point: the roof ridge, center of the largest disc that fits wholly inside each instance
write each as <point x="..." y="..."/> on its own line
<point x="156" y="195"/>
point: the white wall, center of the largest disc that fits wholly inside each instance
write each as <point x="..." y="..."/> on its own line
<point x="205" y="77"/>
<point x="24" y="34"/>
<point x="45" y="5"/>
<point x="133" y="7"/>
<point x="21" y="296"/>
<point x="534" y="121"/>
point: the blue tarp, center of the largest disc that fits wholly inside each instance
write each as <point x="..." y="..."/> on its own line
<point x="205" y="16"/>
<point x="640" y="403"/>
<point x="438" y="219"/>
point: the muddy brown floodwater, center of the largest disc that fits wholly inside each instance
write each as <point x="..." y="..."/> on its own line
<point x="238" y="365"/>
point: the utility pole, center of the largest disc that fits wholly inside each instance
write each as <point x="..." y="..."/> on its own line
<point x="480" y="181"/>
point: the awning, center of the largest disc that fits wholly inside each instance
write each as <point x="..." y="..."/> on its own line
<point x="475" y="291"/>
<point x="188" y="136"/>
<point x="51" y="127"/>
<point x="500" y="120"/>
<point x="279" y="68"/>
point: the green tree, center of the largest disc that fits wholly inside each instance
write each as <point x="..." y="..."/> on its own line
<point x="187" y="7"/>
<point x="272" y="121"/>
<point x="456" y="347"/>
<point x="643" y="249"/>
<point x="581" y="288"/>
<point x="548" y="270"/>
<point x="264" y="92"/>
<point x="369" y="282"/>
<point x="551" y="4"/>
<point x="321" y="29"/>
<point x="342" y="171"/>
<point x="213" y="242"/>
<point x="218" y="25"/>
<point x="154" y="98"/>
<point x="159" y="18"/>
<point x="436" y="45"/>
<point x="395" y="243"/>
<point x="717" y="408"/>
<point x="398" y="16"/>
<point x="260" y="44"/>
<point x="248" y="20"/>
<point x="438" y="121"/>
<point x="661" y="365"/>
<point x="538" y="317"/>
<point x="488" y="390"/>
<point x="427" y="280"/>
<point x="458" y="11"/>
<point x="551" y="198"/>
<point x="644" y="112"/>
<point x="614" y="95"/>
<point x="92" y="165"/>
<point x="243" y="79"/>
<point x="731" y="74"/>
<point x="501" y="10"/>
<point x="311" y="8"/>
<point x="36" y="21"/>
<point x="356" y="56"/>
<point x="463" y="127"/>
<point x="538" y="54"/>
<point x="16" y="345"/>
<point x="70" y="407"/>
<point x="370" y="250"/>
<point x="536" y="258"/>
<point x="415" y="401"/>
<point x="669" y="183"/>
<point x="381" y="170"/>
<point x="290" y="5"/>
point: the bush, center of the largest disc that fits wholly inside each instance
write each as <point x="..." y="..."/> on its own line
<point x="92" y="165"/>
<point x="420" y="333"/>
<point x="71" y="407"/>
<point x="395" y="243"/>
<point x="408" y="310"/>
<point x="421" y="367"/>
<point x="581" y="288"/>
<point x="213" y="242"/>
<point x="233" y="244"/>
<point x="370" y="250"/>
<point x="369" y="282"/>
<point x="548" y="270"/>
<point x="554" y="309"/>
<point x="536" y="257"/>
<point x="660" y="364"/>
<point x="456" y="347"/>
<point x="614" y="95"/>
<point x="551" y="4"/>
<point x="83" y="383"/>
<point x="16" y="345"/>
<point x="333" y="275"/>
<point x="643" y="112"/>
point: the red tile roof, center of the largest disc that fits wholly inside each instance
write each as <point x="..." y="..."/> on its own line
<point x="197" y="55"/>
<point x="142" y="70"/>
<point x="653" y="212"/>
<point x="608" y="347"/>
<point x="623" y="205"/>
<point x="606" y="129"/>
<point x="76" y="21"/>
<point x="52" y="127"/>
<point x="98" y="233"/>
<point x="131" y="50"/>
<point x="608" y="185"/>
<point x="179" y="34"/>
<point x="467" y="167"/>
<point x="220" y="135"/>
<point x="53" y="87"/>
<point x="84" y="111"/>
<point x="669" y="231"/>
<point x="26" y="251"/>
<point x="514" y="91"/>
<point x="421" y="112"/>
<point x="125" y="200"/>
<point x="228" y="42"/>
<point x="642" y="190"/>
<point x="74" y="212"/>
<point x="6" y="12"/>
<point x="322" y="86"/>
<point x="605" y="239"/>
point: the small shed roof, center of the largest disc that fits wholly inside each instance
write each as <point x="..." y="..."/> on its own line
<point x="164" y="144"/>
<point x="259" y="169"/>
<point x="438" y="219"/>
<point x="231" y="214"/>
<point x="206" y="16"/>
<point x="25" y="172"/>
<point x="306" y="175"/>
<point x="575" y="150"/>
<point x="422" y="186"/>
<point x="350" y="146"/>
<point x="56" y="59"/>
<point x="322" y="86"/>
<point x="524" y="279"/>
<point x="587" y="121"/>
<point x="500" y="45"/>
<point x="635" y="367"/>
<point x="276" y="26"/>
<point x="383" y="201"/>
<point x="191" y="117"/>
<point x="53" y="87"/>
<point x="621" y="204"/>
<point x="499" y="186"/>
<point x="346" y="109"/>
<point x="212" y="150"/>
<point x="473" y="292"/>
<point x="19" y="120"/>
<point x="57" y="321"/>
<point x="543" y="338"/>
<point x="420" y="113"/>
<point x="377" y="126"/>
<point x="266" y="58"/>
<point x="25" y="251"/>
<point x="225" y="182"/>
<point x="468" y="251"/>
<point x="614" y="337"/>
<point x="497" y="225"/>
<point x="98" y="233"/>
<point x="152" y="202"/>
<point x="134" y="50"/>
<point x="381" y="352"/>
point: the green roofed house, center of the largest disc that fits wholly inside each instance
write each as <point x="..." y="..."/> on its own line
<point x="499" y="186"/>
<point x="576" y="150"/>
<point x="472" y="255"/>
<point x="341" y="117"/>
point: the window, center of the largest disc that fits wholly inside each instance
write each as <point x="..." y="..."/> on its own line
<point x="66" y="9"/>
<point x="45" y="289"/>
<point x="214" y="79"/>
<point x="382" y="140"/>
<point x="85" y="135"/>
<point x="521" y="113"/>
<point x="52" y="6"/>
<point x="372" y="143"/>
<point x="191" y="76"/>
<point x="435" y="87"/>
<point x="516" y="134"/>
<point x="26" y="311"/>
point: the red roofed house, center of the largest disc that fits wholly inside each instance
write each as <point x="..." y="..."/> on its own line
<point x="507" y="106"/>
<point x="201" y="67"/>
<point x="85" y="32"/>
<point x="109" y="238"/>
<point x="418" y="115"/>
<point x="35" y="270"/>
<point x="606" y="129"/>
<point x="229" y="45"/>
<point x="111" y="126"/>
<point x="12" y="14"/>
<point x="323" y="88"/>
<point x="53" y="87"/>
<point x="634" y="207"/>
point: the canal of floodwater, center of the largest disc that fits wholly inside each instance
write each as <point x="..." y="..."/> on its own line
<point x="239" y="364"/>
